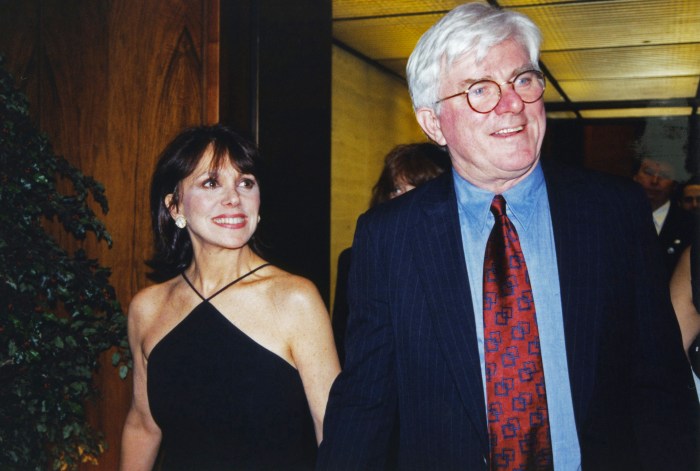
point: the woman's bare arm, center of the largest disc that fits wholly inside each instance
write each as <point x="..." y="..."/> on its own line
<point x="682" y="298"/>
<point x="141" y="436"/>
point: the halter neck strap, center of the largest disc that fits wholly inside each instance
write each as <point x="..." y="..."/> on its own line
<point x="225" y="287"/>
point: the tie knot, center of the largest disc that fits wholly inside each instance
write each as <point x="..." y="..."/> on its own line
<point x="498" y="206"/>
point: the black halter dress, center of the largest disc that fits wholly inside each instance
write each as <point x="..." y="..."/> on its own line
<point x="224" y="402"/>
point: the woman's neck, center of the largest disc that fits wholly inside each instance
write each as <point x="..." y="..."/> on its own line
<point x="211" y="270"/>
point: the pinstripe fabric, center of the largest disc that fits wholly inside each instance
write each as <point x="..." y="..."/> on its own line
<point x="412" y="362"/>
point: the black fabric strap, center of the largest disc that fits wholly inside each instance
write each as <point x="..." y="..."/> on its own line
<point x="225" y="287"/>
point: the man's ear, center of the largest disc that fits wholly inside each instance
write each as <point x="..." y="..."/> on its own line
<point x="430" y="123"/>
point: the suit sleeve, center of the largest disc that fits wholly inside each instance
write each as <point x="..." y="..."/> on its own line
<point x="362" y="404"/>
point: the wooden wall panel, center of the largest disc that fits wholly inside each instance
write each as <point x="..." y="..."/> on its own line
<point x="19" y="37"/>
<point x="111" y="82"/>
<point x="155" y="89"/>
<point x="610" y="147"/>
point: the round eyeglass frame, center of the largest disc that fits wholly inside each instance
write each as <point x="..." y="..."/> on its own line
<point x="500" y="91"/>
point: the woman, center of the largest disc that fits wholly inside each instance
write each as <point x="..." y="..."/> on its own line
<point x="685" y="295"/>
<point x="233" y="357"/>
<point x="406" y="167"/>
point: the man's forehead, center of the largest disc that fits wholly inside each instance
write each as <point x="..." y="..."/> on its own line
<point x="657" y="164"/>
<point x="658" y="168"/>
<point x="470" y="59"/>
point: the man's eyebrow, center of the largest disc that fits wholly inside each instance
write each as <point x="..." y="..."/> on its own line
<point x="465" y="83"/>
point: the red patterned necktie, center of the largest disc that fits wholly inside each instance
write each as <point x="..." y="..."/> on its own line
<point x="517" y="401"/>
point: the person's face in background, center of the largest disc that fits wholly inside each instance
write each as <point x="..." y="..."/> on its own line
<point x="401" y="186"/>
<point x="690" y="201"/>
<point x="657" y="179"/>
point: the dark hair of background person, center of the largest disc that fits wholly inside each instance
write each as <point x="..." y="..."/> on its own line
<point x="173" y="247"/>
<point x="413" y="163"/>
<point x="692" y="180"/>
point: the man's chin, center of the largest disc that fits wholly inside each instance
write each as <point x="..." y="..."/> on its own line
<point x="655" y="198"/>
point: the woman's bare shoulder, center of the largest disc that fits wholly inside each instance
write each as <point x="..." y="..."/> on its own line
<point x="295" y="303"/>
<point x="148" y="302"/>
<point x="291" y="291"/>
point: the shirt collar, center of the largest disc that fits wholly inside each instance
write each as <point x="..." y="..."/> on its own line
<point x="660" y="214"/>
<point x="521" y="200"/>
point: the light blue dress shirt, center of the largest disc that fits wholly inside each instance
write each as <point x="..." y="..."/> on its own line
<point x="528" y="208"/>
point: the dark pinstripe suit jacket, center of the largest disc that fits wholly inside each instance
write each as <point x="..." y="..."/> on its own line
<point x="411" y="342"/>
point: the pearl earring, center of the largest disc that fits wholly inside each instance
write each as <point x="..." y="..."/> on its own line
<point x="180" y="221"/>
<point x="258" y="219"/>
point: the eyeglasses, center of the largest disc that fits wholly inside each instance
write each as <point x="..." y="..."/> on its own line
<point x="483" y="96"/>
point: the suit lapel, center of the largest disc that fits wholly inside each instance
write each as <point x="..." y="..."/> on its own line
<point x="437" y="248"/>
<point x="574" y="222"/>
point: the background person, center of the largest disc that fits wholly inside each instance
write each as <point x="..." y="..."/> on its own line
<point x="406" y="167"/>
<point x="233" y="357"/>
<point x="659" y="178"/>
<point x="685" y="283"/>
<point x="690" y="195"/>
<point x="685" y="294"/>
<point x="598" y="373"/>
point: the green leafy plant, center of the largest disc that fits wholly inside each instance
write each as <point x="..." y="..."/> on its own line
<point x="58" y="312"/>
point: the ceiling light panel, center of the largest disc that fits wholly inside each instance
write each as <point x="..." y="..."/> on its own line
<point x="344" y="9"/>
<point x="596" y="50"/>
<point x="561" y="115"/>
<point x="614" y="23"/>
<point x="519" y="3"/>
<point x="663" y="88"/>
<point x="386" y="37"/>
<point x="625" y="62"/>
<point x="551" y="95"/>
<point x="633" y="113"/>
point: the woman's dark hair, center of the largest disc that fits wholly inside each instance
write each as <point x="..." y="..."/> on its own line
<point x="413" y="163"/>
<point x="173" y="247"/>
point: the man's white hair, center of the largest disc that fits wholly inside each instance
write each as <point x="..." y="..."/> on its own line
<point x="470" y="28"/>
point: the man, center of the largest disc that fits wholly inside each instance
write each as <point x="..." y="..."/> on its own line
<point x="618" y="388"/>
<point x="690" y="195"/>
<point x="673" y="225"/>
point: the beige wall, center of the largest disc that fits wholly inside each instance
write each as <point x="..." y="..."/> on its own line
<point x="371" y="113"/>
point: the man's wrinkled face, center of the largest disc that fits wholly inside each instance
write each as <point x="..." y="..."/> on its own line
<point x="499" y="147"/>
<point x="657" y="179"/>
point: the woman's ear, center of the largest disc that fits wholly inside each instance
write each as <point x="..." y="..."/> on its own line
<point x="168" y="200"/>
<point x="430" y="123"/>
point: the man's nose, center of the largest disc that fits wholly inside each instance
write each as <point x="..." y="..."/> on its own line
<point x="510" y="101"/>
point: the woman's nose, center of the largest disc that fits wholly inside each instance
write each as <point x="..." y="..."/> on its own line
<point x="232" y="197"/>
